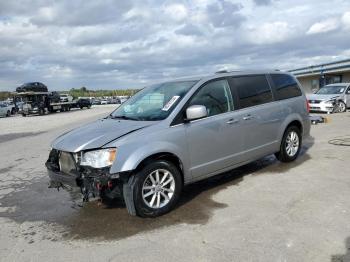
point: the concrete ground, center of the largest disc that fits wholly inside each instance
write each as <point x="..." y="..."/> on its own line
<point x="264" y="211"/>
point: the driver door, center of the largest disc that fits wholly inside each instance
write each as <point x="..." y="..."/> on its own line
<point x="214" y="142"/>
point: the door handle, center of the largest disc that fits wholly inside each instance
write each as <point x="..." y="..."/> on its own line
<point x="248" y="117"/>
<point x="232" y="121"/>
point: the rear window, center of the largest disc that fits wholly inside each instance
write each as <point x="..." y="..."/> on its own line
<point x="286" y="87"/>
<point x="252" y="90"/>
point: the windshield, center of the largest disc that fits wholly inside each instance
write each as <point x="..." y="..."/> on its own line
<point x="153" y="103"/>
<point x="331" y="90"/>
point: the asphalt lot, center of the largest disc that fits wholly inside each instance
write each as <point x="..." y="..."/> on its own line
<point x="264" y="211"/>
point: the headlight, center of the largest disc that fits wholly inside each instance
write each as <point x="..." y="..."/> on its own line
<point x="99" y="158"/>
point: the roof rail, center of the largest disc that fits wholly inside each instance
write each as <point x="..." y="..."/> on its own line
<point x="221" y="72"/>
<point x="226" y="71"/>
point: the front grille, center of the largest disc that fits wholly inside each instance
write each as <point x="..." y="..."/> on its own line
<point x="315" y="101"/>
<point x="66" y="163"/>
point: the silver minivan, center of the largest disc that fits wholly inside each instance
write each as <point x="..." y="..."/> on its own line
<point x="172" y="134"/>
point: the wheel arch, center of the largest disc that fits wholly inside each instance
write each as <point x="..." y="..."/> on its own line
<point x="296" y="123"/>
<point x="133" y="157"/>
<point x="293" y="120"/>
<point x="174" y="159"/>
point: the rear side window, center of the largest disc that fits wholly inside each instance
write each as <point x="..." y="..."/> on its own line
<point x="252" y="90"/>
<point x="286" y="87"/>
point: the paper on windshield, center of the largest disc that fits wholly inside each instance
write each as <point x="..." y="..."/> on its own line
<point x="170" y="103"/>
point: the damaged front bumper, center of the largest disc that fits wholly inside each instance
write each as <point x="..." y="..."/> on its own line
<point x="91" y="181"/>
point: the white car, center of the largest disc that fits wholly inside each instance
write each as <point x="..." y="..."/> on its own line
<point x="66" y="98"/>
<point x="5" y="110"/>
<point x="325" y="99"/>
<point x="104" y="101"/>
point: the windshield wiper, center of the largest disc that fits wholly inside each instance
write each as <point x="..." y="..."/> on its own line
<point x="123" y="117"/>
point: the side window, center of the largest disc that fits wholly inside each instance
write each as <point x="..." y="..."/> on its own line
<point x="215" y="96"/>
<point x="286" y="86"/>
<point x="252" y="90"/>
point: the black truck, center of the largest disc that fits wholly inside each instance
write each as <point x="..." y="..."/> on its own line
<point x="36" y="99"/>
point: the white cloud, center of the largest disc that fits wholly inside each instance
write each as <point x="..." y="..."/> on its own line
<point x="324" y="26"/>
<point x="346" y="20"/>
<point x="111" y="44"/>
<point x="177" y="12"/>
<point x="269" y="33"/>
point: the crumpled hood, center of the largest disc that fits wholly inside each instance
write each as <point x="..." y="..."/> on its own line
<point x="96" y="134"/>
<point x="321" y="97"/>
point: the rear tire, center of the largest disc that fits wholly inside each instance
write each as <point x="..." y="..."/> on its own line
<point x="290" y="145"/>
<point x="8" y="113"/>
<point x="156" y="188"/>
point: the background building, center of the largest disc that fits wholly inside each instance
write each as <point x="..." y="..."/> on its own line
<point x="316" y="76"/>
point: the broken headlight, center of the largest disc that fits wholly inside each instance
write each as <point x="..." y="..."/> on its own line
<point x="98" y="158"/>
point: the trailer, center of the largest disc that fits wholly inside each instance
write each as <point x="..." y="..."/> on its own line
<point x="42" y="103"/>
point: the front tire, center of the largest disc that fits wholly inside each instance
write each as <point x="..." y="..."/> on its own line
<point x="341" y="107"/>
<point x="156" y="188"/>
<point x="8" y="113"/>
<point x="290" y="145"/>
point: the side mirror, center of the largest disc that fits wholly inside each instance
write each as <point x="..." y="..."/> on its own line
<point x="196" y="112"/>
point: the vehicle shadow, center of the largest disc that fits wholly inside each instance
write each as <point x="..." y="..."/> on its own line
<point x="94" y="220"/>
<point x="343" y="257"/>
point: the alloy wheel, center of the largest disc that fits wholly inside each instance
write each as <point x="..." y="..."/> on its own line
<point x="292" y="143"/>
<point x="158" y="188"/>
<point x="342" y="107"/>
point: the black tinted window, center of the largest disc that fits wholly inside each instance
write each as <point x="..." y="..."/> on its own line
<point x="286" y="87"/>
<point x="215" y="96"/>
<point x="252" y="90"/>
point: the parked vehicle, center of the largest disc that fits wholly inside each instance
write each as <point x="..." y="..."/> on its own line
<point x="331" y="98"/>
<point x="104" y="101"/>
<point x="5" y="110"/>
<point x="32" y="87"/>
<point x="66" y="98"/>
<point x="83" y="102"/>
<point x="116" y="101"/>
<point x="11" y="105"/>
<point x="123" y="99"/>
<point x="96" y="102"/>
<point x="172" y="134"/>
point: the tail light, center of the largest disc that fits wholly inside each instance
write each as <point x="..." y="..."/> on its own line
<point x="307" y="106"/>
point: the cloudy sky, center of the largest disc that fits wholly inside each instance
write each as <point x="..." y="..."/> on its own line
<point x="129" y="44"/>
